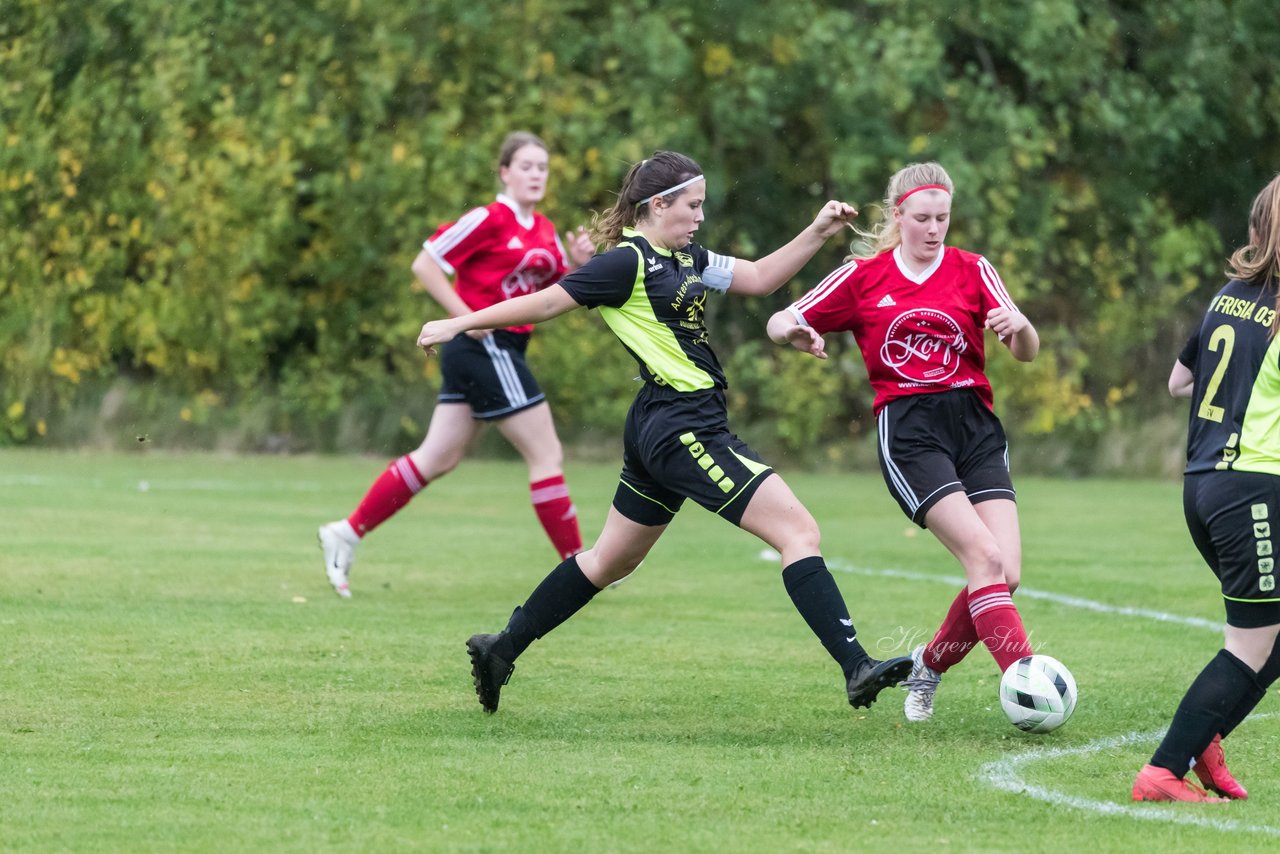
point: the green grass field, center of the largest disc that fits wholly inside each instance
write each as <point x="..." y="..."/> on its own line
<point x="179" y="676"/>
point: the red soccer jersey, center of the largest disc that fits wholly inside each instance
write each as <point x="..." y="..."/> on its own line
<point x="494" y="255"/>
<point x="919" y="333"/>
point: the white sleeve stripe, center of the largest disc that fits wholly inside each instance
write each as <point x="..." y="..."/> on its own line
<point x="797" y="315"/>
<point x="825" y="287"/>
<point x="445" y="243"/>
<point x="444" y="265"/>
<point x="716" y="260"/>
<point x="995" y="283"/>
<point x="992" y="280"/>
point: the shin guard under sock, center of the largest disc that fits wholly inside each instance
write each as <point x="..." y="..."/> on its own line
<point x="998" y="624"/>
<point x="560" y="595"/>
<point x="1223" y="684"/>
<point x="1265" y="679"/>
<point x="954" y="638"/>
<point x="817" y="598"/>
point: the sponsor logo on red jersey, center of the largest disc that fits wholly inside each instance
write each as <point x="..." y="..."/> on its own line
<point x="537" y="268"/>
<point x="923" y="345"/>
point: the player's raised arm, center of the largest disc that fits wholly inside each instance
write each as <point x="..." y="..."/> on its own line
<point x="763" y="277"/>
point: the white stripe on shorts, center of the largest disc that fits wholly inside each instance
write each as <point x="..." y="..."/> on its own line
<point x="899" y="480"/>
<point x="506" y="371"/>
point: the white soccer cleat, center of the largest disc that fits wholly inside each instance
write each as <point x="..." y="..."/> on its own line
<point x="339" y="554"/>
<point x="921" y="685"/>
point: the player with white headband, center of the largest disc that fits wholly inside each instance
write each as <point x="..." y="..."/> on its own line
<point x="651" y="287"/>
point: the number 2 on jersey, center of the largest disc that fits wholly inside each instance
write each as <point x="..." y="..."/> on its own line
<point x="1224" y="339"/>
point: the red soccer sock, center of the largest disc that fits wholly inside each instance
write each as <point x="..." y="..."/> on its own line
<point x="955" y="637"/>
<point x="390" y="492"/>
<point x="998" y="624"/>
<point x="557" y="514"/>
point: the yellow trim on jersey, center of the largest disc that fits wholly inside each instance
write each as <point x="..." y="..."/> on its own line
<point x="649" y="338"/>
<point x="1260" y="427"/>
<point x="1238" y="599"/>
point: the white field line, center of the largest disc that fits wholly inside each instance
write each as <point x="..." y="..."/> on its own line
<point x="1004" y="774"/>
<point x="147" y="485"/>
<point x="1031" y="593"/>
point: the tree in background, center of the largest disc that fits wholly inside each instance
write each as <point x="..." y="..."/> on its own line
<point x="209" y="210"/>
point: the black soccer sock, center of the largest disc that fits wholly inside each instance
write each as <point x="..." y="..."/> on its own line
<point x="560" y="595"/>
<point x="1247" y="704"/>
<point x="1266" y="677"/>
<point x="817" y="598"/>
<point x="1221" y="686"/>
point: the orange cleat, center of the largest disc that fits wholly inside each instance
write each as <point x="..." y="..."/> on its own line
<point x="1159" y="784"/>
<point x="1211" y="768"/>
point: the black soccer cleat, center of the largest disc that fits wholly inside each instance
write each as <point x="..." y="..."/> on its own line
<point x="488" y="671"/>
<point x="873" y="676"/>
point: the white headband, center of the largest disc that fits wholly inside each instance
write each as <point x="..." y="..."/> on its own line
<point x="671" y="190"/>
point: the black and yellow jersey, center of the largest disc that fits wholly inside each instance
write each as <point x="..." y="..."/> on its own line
<point x="1235" y="405"/>
<point x="654" y="301"/>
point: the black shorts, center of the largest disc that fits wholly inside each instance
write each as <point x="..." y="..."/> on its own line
<point x="1232" y="516"/>
<point x="932" y="445"/>
<point x="677" y="445"/>
<point x="489" y="375"/>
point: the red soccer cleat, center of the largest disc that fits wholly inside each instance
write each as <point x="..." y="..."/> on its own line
<point x="1211" y="768"/>
<point x="1159" y="784"/>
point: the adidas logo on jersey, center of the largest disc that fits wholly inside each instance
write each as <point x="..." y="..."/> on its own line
<point x="886" y="302"/>
<point x="514" y="243"/>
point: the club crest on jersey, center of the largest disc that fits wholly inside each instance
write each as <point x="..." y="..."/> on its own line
<point x="654" y="266"/>
<point x="535" y="270"/>
<point x="685" y="259"/>
<point x="924" y="346"/>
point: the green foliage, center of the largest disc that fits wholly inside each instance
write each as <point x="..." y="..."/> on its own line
<point x="222" y="200"/>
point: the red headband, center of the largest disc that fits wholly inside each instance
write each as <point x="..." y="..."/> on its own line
<point x="903" y="197"/>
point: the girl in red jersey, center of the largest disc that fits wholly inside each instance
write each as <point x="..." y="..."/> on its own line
<point x="918" y="310"/>
<point x="503" y="250"/>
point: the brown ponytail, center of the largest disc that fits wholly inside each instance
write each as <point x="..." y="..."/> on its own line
<point x="645" y="179"/>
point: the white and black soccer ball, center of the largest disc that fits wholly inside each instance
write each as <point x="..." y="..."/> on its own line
<point x="1038" y="693"/>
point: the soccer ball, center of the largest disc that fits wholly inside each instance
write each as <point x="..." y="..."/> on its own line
<point x="1038" y="693"/>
